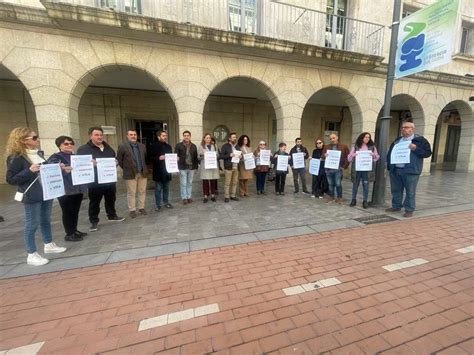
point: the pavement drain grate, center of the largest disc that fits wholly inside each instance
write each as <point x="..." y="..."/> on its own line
<point x="375" y="219"/>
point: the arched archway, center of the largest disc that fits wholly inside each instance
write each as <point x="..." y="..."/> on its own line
<point x="403" y="106"/>
<point x="17" y="109"/>
<point x="452" y="148"/>
<point x="331" y="109"/>
<point x="245" y="105"/>
<point x="119" y="97"/>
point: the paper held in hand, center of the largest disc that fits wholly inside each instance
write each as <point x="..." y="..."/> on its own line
<point x="265" y="157"/>
<point x="400" y="153"/>
<point x="106" y="170"/>
<point x="236" y="157"/>
<point x="52" y="181"/>
<point x="249" y="161"/>
<point x="82" y="169"/>
<point x="298" y="160"/>
<point x="171" y="163"/>
<point x="314" y="165"/>
<point x="363" y="160"/>
<point x="282" y="163"/>
<point x="210" y="160"/>
<point x="333" y="159"/>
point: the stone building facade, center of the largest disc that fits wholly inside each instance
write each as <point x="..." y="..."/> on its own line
<point x="65" y="67"/>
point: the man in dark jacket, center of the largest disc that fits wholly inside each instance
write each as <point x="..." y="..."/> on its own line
<point x="228" y="151"/>
<point x="301" y="172"/>
<point x="187" y="163"/>
<point x="161" y="177"/>
<point x="131" y="157"/>
<point x="334" y="176"/>
<point x="405" y="176"/>
<point x="100" y="149"/>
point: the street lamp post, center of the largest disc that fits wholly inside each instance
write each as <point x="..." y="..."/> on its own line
<point x="378" y="197"/>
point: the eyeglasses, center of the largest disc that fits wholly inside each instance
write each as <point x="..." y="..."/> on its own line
<point x="262" y="144"/>
<point x="319" y="142"/>
<point x="68" y="143"/>
<point x="34" y="138"/>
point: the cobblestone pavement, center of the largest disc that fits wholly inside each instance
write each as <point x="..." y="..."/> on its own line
<point x="199" y="226"/>
<point x="262" y="297"/>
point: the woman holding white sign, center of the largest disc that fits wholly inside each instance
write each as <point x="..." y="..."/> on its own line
<point x="319" y="182"/>
<point x="362" y="155"/>
<point x="261" y="166"/>
<point x="71" y="202"/>
<point x="23" y="166"/>
<point x="244" y="174"/>
<point x="209" y="168"/>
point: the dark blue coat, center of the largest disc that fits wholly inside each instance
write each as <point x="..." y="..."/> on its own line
<point x="423" y="150"/>
<point x="19" y="174"/>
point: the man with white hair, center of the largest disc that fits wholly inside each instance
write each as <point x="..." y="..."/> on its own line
<point x="404" y="176"/>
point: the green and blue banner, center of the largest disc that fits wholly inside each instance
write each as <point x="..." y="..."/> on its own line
<point x="425" y="38"/>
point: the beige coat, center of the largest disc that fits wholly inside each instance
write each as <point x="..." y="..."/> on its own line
<point x="207" y="174"/>
<point x="245" y="174"/>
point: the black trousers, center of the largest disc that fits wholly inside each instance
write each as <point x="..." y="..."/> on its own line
<point x="319" y="184"/>
<point x="280" y="180"/>
<point x="70" y="206"/>
<point x="95" y="196"/>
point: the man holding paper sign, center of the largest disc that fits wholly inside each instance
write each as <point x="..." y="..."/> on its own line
<point x="362" y="155"/>
<point x="336" y="161"/>
<point x="231" y="155"/>
<point x="299" y="154"/>
<point x="98" y="148"/>
<point x="405" y="167"/>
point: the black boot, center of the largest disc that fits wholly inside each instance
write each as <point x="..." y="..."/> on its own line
<point x="353" y="203"/>
<point x="73" y="238"/>
<point x="365" y="204"/>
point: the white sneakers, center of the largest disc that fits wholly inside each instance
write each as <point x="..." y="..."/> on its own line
<point x="53" y="248"/>
<point x="37" y="260"/>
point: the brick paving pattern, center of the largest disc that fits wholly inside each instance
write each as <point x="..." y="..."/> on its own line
<point x="427" y="308"/>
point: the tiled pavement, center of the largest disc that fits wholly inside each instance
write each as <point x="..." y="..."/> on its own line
<point x="425" y="308"/>
<point x="198" y="226"/>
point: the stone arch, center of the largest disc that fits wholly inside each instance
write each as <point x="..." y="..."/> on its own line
<point x="112" y="71"/>
<point x="349" y="116"/>
<point x="252" y="92"/>
<point x="18" y="109"/>
<point x="457" y="109"/>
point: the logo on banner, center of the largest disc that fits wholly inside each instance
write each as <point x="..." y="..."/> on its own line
<point x="412" y="46"/>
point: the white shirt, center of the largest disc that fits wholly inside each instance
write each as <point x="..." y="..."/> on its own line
<point x="34" y="157"/>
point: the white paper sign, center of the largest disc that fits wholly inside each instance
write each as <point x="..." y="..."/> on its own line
<point x="298" y="160"/>
<point x="400" y="153"/>
<point x="51" y="181"/>
<point x="282" y="163"/>
<point x="210" y="160"/>
<point x="106" y="170"/>
<point x="333" y="159"/>
<point x="171" y="163"/>
<point x="363" y="160"/>
<point x="236" y="157"/>
<point x="82" y="169"/>
<point x="314" y="165"/>
<point x="249" y="161"/>
<point x="265" y="157"/>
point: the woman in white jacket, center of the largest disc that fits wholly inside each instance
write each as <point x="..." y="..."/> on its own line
<point x="209" y="177"/>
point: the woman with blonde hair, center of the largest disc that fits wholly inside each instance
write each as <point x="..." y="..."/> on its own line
<point x="209" y="177"/>
<point x="23" y="166"/>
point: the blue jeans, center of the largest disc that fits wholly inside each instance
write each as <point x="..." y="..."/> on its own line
<point x="37" y="214"/>
<point x="400" y="181"/>
<point x="334" y="181"/>
<point x="186" y="183"/>
<point x="261" y="180"/>
<point x="364" y="177"/>
<point x="161" y="188"/>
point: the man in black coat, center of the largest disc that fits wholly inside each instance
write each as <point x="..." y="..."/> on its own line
<point x="301" y="172"/>
<point x="98" y="148"/>
<point x="228" y="151"/>
<point x="161" y="177"/>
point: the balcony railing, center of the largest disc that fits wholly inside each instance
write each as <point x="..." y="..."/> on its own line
<point x="261" y="17"/>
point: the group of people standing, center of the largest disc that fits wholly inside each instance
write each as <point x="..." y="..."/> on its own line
<point x="24" y="160"/>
